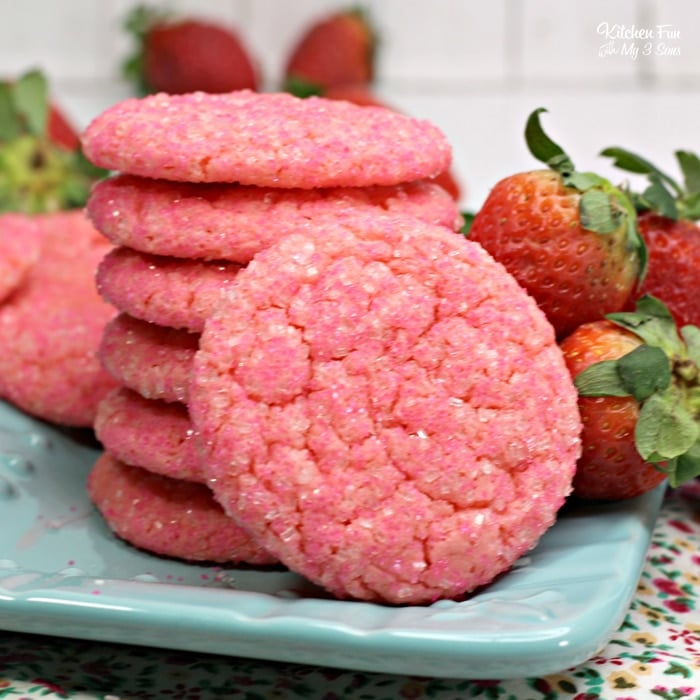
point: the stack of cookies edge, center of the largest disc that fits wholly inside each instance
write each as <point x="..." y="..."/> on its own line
<point x="201" y="184"/>
<point x="360" y="394"/>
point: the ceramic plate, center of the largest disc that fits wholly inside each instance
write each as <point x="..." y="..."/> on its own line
<point x="63" y="573"/>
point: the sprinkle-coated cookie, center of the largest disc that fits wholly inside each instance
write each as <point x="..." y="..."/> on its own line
<point x="234" y="222"/>
<point x="386" y="410"/>
<point x="264" y="139"/>
<point x="20" y="245"/>
<point x="147" y="433"/>
<point x="168" y="291"/>
<point x="51" y="326"/>
<point x="155" y="361"/>
<point x="167" y="516"/>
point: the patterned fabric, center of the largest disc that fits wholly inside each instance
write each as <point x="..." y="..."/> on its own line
<point x="654" y="655"/>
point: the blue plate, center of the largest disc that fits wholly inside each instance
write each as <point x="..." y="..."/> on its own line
<point x="62" y="572"/>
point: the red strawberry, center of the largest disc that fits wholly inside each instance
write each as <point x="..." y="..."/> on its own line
<point x="569" y="238"/>
<point x="667" y="218"/>
<point x="337" y="49"/>
<point x="187" y="55"/>
<point x="638" y="384"/>
<point x="60" y="130"/>
<point x="38" y="174"/>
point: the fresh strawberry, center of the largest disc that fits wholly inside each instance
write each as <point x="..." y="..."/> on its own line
<point x="186" y="55"/>
<point x="667" y="221"/>
<point x="36" y="173"/>
<point x="60" y="130"/>
<point x="568" y="237"/>
<point x="639" y="398"/>
<point x="337" y="49"/>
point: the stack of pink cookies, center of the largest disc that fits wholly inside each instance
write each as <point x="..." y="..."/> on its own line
<point x="315" y="368"/>
<point x="203" y="183"/>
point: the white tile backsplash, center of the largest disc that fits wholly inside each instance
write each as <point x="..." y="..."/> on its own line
<point x="443" y="45"/>
<point x="474" y="68"/>
<point x="565" y="41"/>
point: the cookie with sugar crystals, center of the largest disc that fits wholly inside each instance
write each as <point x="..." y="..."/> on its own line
<point x="167" y="516"/>
<point x="386" y="410"/>
<point x="234" y="222"/>
<point x="153" y="360"/>
<point x="51" y="326"/>
<point x="20" y="245"/>
<point x="148" y="433"/>
<point x="174" y="292"/>
<point x="264" y="139"/>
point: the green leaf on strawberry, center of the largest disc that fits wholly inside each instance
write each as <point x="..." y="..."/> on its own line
<point x="603" y="207"/>
<point x="37" y="174"/>
<point x="31" y="99"/>
<point x="664" y="195"/>
<point x="690" y="168"/>
<point x="665" y="429"/>
<point x="640" y="373"/>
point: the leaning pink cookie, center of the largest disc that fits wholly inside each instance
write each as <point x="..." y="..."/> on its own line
<point x="20" y="245"/>
<point x="234" y="222"/>
<point x="153" y="360"/>
<point x="386" y="410"/>
<point x="264" y="139"/>
<point x="147" y="433"/>
<point x="167" y="516"/>
<point x="168" y="291"/>
<point x="51" y="326"/>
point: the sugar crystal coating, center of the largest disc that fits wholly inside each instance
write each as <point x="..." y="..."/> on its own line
<point x="167" y="516"/>
<point x="264" y="139"/>
<point x="386" y="410"/>
<point x="148" y="433"/>
<point x="234" y="222"/>
<point x="50" y="326"/>
<point x="153" y="360"/>
<point x="168" y="291"/>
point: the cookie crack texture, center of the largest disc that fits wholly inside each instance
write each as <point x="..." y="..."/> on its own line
<point x="394" y="398"/>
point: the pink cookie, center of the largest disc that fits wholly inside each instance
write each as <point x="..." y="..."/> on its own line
<point x="171" y="292"/>
<point x="51" y="326"/>
<point x="264" y="139"/>
<point x="234" y="222"/>
<point x="386" y="410"/>
<point x="155" y="361"/>
<point x="20" y="245"/>
<point x="146" y="433"/>
<point x="166" y="516"/>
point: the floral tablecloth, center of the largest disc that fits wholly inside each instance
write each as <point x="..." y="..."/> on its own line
<point x="654" y="654"/>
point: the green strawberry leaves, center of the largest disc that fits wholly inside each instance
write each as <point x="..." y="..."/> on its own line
<point x="603" y="208"/>
<point x="542" y="147"/>
<point x="138" y="22"/>
<point x="640" y="373"/>
<point x="597" y="213"/>
<point x="663" y="375"/>
<point x="663" y="195"/>
<point x="24" y="106"/>
<point x="665" y="430"/>
<point x="36" y="175"/>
